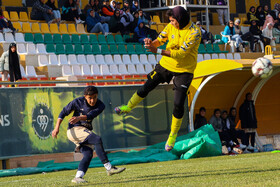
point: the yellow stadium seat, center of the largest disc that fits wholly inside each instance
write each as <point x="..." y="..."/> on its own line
<point x="154" y="27"/>
<point x="81" y="29"/>
<point x="35" y="28"/>
<point x="14" y="16"/>
<point x="17" y="26"/>
<point x="23" y="16"/>
<point x="6" y="14"/>
<point x="26" y="27"/>
<point x="54" y="28"/>
<point x="72" y="29"/>
<point x="45" y="28"/>
<point x="160" y="28"/>
<point x="63" y="29"/>
<point x="156" y="19"/>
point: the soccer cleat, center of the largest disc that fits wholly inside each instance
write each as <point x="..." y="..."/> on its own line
<point x="170" y="142"/>
<point x="124" y="109"/>
<point x="250" y="148"/>
<point x="241" y="146"/>
<point x="115" y="170"/>
<point x="78" y="180"/>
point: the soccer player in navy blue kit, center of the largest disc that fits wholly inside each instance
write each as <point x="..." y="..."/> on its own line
<point x="80" y="131"/>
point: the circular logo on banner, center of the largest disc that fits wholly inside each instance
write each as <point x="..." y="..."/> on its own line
<point x="42" y="121"/>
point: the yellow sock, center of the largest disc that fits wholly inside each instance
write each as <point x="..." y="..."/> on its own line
<point x="175" y="125"/>
<point x="134" y="100"/>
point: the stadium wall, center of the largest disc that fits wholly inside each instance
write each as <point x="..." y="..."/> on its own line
<point x="28" y="115"/>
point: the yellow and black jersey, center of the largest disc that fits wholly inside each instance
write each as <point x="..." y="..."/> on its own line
<point x="183" y="45"/>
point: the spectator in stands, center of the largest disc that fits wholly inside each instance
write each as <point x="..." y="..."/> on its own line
<point x="94" y="24"/>
<point x="230" y="31"/>
<point x="145" y="18"/>
<point x="200" y="119"/>
<point x="141" y="32"/>
<point x="268" y="19"/>
<point x="127" y="20"/>
<point x="55" y="10"/>
<point x="5" y="24"/>
<point x="256" y="35"/>
<point x="126" y="5"/>
<point x="274" y="13"/>
<point x="206" y="37"/>
<point x="136" y="20"/>
<point x="229" y="127"/>
<point x="266" y="10"/>
<point x="247" y="115"/>
<point x="115" y="22"/>
<point x="40" y="11"/>
<point x="118" y="7"/>
<point x="277" y="20"/>
<point x="80" y="13"/>
<point x="113" y="4"/>
<point x="135" y="6"/>
<point x="222" y="12"/>
<point x="106" y="10"/>
<point x="276" y="32"/>
<point x="97" y="6"/>
<point x="251" y="15"/>
<point x="268" y="36"/>
<point x="70" y="12"/>
<point x="10" y="64"/>
<point x="89" y="6"/>
<point x="260" y="15"/>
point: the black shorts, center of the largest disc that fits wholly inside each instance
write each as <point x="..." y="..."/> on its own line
<point x="181" y="81"/>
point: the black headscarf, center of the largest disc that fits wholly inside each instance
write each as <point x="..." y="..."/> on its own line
<point x="182" y="16"/>
<point x="14" y="69"/>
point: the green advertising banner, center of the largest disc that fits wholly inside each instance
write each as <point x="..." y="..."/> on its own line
<point x="28" y="115"/>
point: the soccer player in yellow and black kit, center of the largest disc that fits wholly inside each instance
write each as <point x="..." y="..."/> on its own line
<point x="179" y="61"/>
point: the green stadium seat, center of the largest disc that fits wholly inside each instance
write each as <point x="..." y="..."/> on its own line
<point x="110" y="39"/>
<point x="57" y="39"/>
<point x="139" y="49"/>
<point x="84" y="39"/>
<point x="114" y="49"/>
<point x="209" y="48"/>
<point x="102" y="39"/>
<point x="28" y="37"/>
<point x="87" y="49"/>
<point x="78" y="49"/>
<point x="218" y="39"/>
<point x="66" y="39"/>
<point x="122" y="50"/>
<point x="93" y="39"/>
<point x="201" y="49"/>
<point x="96" y="49"/>
<point x="69" y="49"/>
<point x="217" y="49"/>
<point x="126" y="37"/>
<point x="119" y="39"/>
<point x="59" y="49"/>
<point x="38" y="38"/>
<point x="48" y="39"/>
<point x="130" y="49"/>
<point x="149" y="52"/>
<point x="50" y="48"/>
<point x="75" y="39"/>
<point x="104" y="49"/>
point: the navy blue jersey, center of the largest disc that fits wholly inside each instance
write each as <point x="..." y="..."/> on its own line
<point x="80" y="107"/>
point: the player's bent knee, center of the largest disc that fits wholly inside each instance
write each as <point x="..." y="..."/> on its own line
<point x="178" y="111"/>
<point x="143" y="91"/>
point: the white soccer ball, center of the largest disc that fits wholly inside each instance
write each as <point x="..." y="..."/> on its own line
<point x="262" y="67"/>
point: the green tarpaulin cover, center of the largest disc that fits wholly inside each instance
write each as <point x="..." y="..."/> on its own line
<point x="202" y="142"/>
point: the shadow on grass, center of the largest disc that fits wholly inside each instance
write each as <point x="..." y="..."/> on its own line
<point x="185" y="175"/>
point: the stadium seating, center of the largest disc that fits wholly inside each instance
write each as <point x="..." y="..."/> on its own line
<point x="119" y="39"/>
<point x="59" y="49"/>
<point x="21" y="48"/>
<point x="69" y="49"/>
<point x="62" y="60"/>
<point x="50" y="48"/>
<point x="104" y="70"/>
<point x="123" y="70"/>
<point x="144" y="59"/>
<point x="122" y="50"/>
<point x="72" y="60"/>
<point x="99" y="59"/>
<point x="54" y="28"/>
<point x="78" y="49"/>
<point x="57" y="39"/>
<point x="19" y="38"/>
<point x="118" y="59"/>
<point x="23" y="17"/>
<point x="81" y="59"/>
<point x="43" y="60"/>
<point x="96" y="49"/>
<point x="66" y="39"/>
<point x="38" y="38"/>
<point x="67" y="71"/>
<point x="63" y="29"/>
<point x="87" y="49"/>
<point x="48" y="39"/>
<point x="9" y="37"/>
<point x="108" y="59"/>
<point x="26" y="27"/>
<point x="93" y="39"/>
<point x="84" y="39"/>
<point x="35" y="28"/>
<point x="102" y="39"/>
<point x="28" y="37"/>
<point x="86" y="71"/>
<point x="114" y="69"/>
<point x="110" y="39"/>
<point x="81" y="29"/>
<point x="45" y="28"/>
<point x="72" y="29"/>
<point x="17" y="26"/>
<point x="95" y="70"/>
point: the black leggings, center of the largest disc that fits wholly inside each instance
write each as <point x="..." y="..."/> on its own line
<point x="181" y="82"/>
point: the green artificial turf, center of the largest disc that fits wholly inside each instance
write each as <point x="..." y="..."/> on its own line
<point x="258" y="169"/>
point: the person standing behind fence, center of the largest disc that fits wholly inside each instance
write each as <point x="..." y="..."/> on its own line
<point x="247" y="115"/>
<point x="9" y="64"/>
<point x="222" y="12"/>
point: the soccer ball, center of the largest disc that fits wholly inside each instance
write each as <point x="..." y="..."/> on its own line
<point x="262" y="67"/>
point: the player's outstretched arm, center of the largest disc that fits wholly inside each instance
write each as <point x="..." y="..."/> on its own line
<point x="56" y="129"/>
